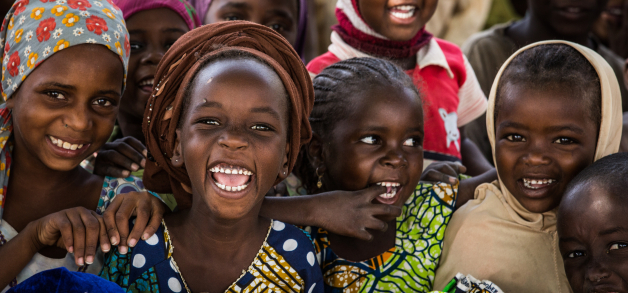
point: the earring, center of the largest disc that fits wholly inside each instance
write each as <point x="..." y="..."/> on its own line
<point x="319" y="184"/>
<point x="284" y="173"/>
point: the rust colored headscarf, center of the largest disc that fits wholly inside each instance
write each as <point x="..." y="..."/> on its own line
<point x="176" y="71"/>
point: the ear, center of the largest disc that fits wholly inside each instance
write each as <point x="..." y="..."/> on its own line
<point x="315" y="152"/>
<point x="283" y="172"/>
<point x="177" y="154"/>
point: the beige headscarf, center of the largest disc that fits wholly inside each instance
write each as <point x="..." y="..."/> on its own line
<point x="494" y="237"/>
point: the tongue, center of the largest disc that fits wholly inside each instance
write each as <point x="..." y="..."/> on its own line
<point x="233" y="180"/>
<point x="389" y="189"/>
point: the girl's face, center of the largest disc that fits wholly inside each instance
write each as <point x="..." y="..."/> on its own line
<point x="152" y="33"/>
<point x="233" y="137"/>
<point x="567" y="17"/>
<point x="593" y="231"/>
<point x="380" y="141"/>
<point x="543" y="139"/>
<point x="398" y="20"/>
<point x="79" y="87"/>
<point x="280" y="15"/>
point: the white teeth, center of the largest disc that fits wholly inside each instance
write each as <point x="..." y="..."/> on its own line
<point x="64" y="144"/>
<point x="228" y="171"/>
<point x="231" y="170"/>
<point x="231" y="188"/>
<point x="573" y="9"/>
<point x="147" y="82"/>
<point x="529" y="183"/>
<point x="402" y="15"/>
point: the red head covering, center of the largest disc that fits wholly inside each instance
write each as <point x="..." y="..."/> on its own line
<point x="181" y="7"/>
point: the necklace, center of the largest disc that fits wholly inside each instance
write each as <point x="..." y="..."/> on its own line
<point x="171" y="251"/>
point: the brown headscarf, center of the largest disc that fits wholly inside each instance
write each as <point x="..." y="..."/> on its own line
<point x="176" y="71"/>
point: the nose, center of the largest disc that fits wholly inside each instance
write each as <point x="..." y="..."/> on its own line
<point x="597" y="271"/>
<point x="233" y="140"/>
<point x="153" y="55"/>
<point x="537" y="155"/>
<point x="79" y="119"/>
<point x="394" y="158"/>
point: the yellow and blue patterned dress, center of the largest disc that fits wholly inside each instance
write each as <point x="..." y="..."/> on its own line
<point x="407" y="267"/>
<point x="286" y="262"/>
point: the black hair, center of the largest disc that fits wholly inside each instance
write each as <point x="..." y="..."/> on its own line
<point x="555" y="67"/>
<point x="234" y="54"/>
<point x="609" y="173"/>
<point x="334" y="88"/>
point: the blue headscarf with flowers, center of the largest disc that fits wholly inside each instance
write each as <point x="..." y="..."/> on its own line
<point x="34" y="30"/>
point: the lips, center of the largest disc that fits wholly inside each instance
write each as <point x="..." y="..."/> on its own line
<point x="146" y="84"/>
<point x="403" y="12"/>
<point x="231" y="178"/>
<point x="67" y="147"/>
<point x="537" y="183"/>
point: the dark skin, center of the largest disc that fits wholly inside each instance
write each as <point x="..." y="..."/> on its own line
<point x="152" y="32"/>
<point x="593" y="239"/>
<point x="542" y="135"/>
<point x="280" y="15"/>
<point x="238" y="118"/>
<point x="56" y="215"/>
<point x="557" y="19"/>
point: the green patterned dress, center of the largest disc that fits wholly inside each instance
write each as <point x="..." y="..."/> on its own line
<point x="407" y="267"/>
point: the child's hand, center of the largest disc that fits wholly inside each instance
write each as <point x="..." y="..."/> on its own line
<point x="147" y="209"/>
<point x="77" y="230"/>
<point x="351" y="213"/>
<point x="121" y="157"/>
<point x="443" y="172"/>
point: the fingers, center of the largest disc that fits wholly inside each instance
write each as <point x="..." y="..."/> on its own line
<point x="110" y="220"/>
<point x="63" y="224"/>
<point x="92" y="233"/>
<point x="385" y="211"/>
<point x="122" y="217"/>
<point x="105" y="245"/>
<point x="155" y="219"/>
<point x="104" y="169"/>
<point x="78" y="231"/>
<point x="124" y="156"/>
<point x="143" y="212"/>
<point x="372" y="192"/>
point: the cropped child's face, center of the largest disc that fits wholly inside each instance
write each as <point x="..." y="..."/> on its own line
<point x="152" y="33"/>
<point x="280" y="15"/>
<point x="543" y="139"/>
<point x="396" y="19"/>
<point x="567" y="17"/>
<point x="379" y="142"/>
<point x="79" y="87"/>
<point x="233" y="139"/>
<point x="593" y="238"/>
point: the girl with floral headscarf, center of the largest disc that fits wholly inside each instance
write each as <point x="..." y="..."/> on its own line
<point x="63" y="70"/>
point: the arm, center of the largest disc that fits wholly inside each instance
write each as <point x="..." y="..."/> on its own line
<point x="472" y="158"/>
<point x="466" y="190"/>
<point x="17" y="253"/>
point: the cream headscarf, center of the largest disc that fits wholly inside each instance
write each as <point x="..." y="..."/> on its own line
<point x="494" y="237"/>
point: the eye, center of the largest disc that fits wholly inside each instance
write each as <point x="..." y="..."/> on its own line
<point x="369" y="139"/>
<point x="277" y="27"/>
<point x="515" y="138"/>
<point x="232" y="17"/>
<point x="168" y="45"/>
<point x="102" y="102"/>
<point x="209" y="122"/>
<point x="56" y="95"/>
<point x="260" y="127"/>
<point x="413" y="142"/>
<point x="617" y="246"/>
<point x="575" y="254"/>
<point x="135" y="47"/>
<point x="564" y="140"/>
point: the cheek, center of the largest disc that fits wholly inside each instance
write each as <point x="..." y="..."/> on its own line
<point x="505" y="159"/>
<point x="351" y="165"/>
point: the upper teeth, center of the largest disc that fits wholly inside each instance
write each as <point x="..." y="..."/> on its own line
<point x="573" y="9"/>
<point x="407" y="11"/>
<point x="528" y="183"/>
<point x="147" y="82"/>
<point x="393" y="190"/>
<point x="231" y="170"/>
<point x="393" y="184"/>
<point x="64" y="144"/>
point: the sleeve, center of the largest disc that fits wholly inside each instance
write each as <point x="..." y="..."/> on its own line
<point x="312" y="275"/>
<point x="473" y="102"/>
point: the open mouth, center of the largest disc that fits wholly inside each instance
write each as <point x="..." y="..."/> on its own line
<point x="231" y="178"/>
<point x="391" y="189"/>
<point x="403" y="11"/>
<point x="573" y="11"/>
<point x="146" y="84"/>
<point x="64" y="144"/>
<point x="537" y="183"/>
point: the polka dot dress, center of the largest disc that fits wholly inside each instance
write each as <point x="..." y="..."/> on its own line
<point x="285" y="263"/>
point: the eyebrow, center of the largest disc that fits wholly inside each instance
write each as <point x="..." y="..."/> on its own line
<point x="266" y="110"/>
<point x="239" y="5"/>
<point x="173" y="30"/>
<point x="571" y="128"/>
<point x="567" y="239"/>
<point x="209" y="105"/>
<point x="73" y="88"/>
<point x="612" y="231"/>
<point x="512" y="125"/>
<point x="279" y="12"/>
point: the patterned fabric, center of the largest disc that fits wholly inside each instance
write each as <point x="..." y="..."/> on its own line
<point x="61" y="280"/>
<point x="34" y="30"/>
<point x="407" y="267"/>
<point x="284" y="263"/>
<point x="182" y="7"/>
<point x="111" y="188"/>
<point x="469" y="284"/>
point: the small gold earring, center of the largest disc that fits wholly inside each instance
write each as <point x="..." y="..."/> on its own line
<point x="319" y="184"/>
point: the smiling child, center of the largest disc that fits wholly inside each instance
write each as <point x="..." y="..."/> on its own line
<point x="224" y="124"/>
<point x="592" y="227"/>
<point x="543" y="136"/>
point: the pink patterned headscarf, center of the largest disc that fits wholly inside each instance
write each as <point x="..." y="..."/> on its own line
<point x="181" y="7"/>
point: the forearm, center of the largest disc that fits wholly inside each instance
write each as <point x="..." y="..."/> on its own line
<point x="473" y="159"/>
<point x="466" y="189"/>
<point x="295" y="210"/>
<point x="17" y="253"/>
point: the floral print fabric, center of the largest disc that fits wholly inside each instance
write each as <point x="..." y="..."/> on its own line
<point x="34" y="30"/>
<point x="407" y="267"/>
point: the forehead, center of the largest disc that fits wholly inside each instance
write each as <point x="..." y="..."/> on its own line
<point x="259" y="5"/>
<point x="591" y="207"/>
<point x="156" y="19"/>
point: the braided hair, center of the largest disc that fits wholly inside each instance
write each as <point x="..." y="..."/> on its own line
<point x="551" y="67"/>
<point x="334" y="88"/>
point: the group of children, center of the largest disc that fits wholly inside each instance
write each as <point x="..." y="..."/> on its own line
<point x="214" y="116"/>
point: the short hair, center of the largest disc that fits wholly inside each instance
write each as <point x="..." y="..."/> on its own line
<point x="610" y="173"/>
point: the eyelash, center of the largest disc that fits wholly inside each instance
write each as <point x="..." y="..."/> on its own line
<point x="623" y="245"/>
<point x="511" y="137"/>
<point x="54" y="95"/>
<point x="372" y="139"/>
<point x="568" y="140"/>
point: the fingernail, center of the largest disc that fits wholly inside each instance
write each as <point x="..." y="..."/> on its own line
<point x="145" y="153"/>
<point x="105" y="248"/>
<point x="143" y="163"/>
<point x="89" y="260"/>
<point x="145" y="236"/>
<point x="80" y="261"/>
<point x="114" y="241"/>
<point x="71" y="249"/>
<point x="453" y="180"/>
<point x="132" y="242"/>
<point x="123" y="249"/>
<point x="126" y="173"/>
<point x="135" y="167"/>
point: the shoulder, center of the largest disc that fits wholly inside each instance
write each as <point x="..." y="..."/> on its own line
<point x="293" y="244"/>
<point x="321" y="62"/>
<point x="439" y="193"/>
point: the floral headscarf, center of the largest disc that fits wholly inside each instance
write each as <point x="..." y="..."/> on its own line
<point x="34" y="30"/>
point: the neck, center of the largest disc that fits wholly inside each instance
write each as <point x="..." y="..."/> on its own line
<point x="131" y="126"/>
<point x="531" y="30"/>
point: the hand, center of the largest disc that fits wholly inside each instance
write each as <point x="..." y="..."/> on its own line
<point x="147" y="209"/>
<point x="77" y="230"/>
<point x="443" y="172"/>
<point x="121" y="157"/>
<point x="351" y="213"/>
